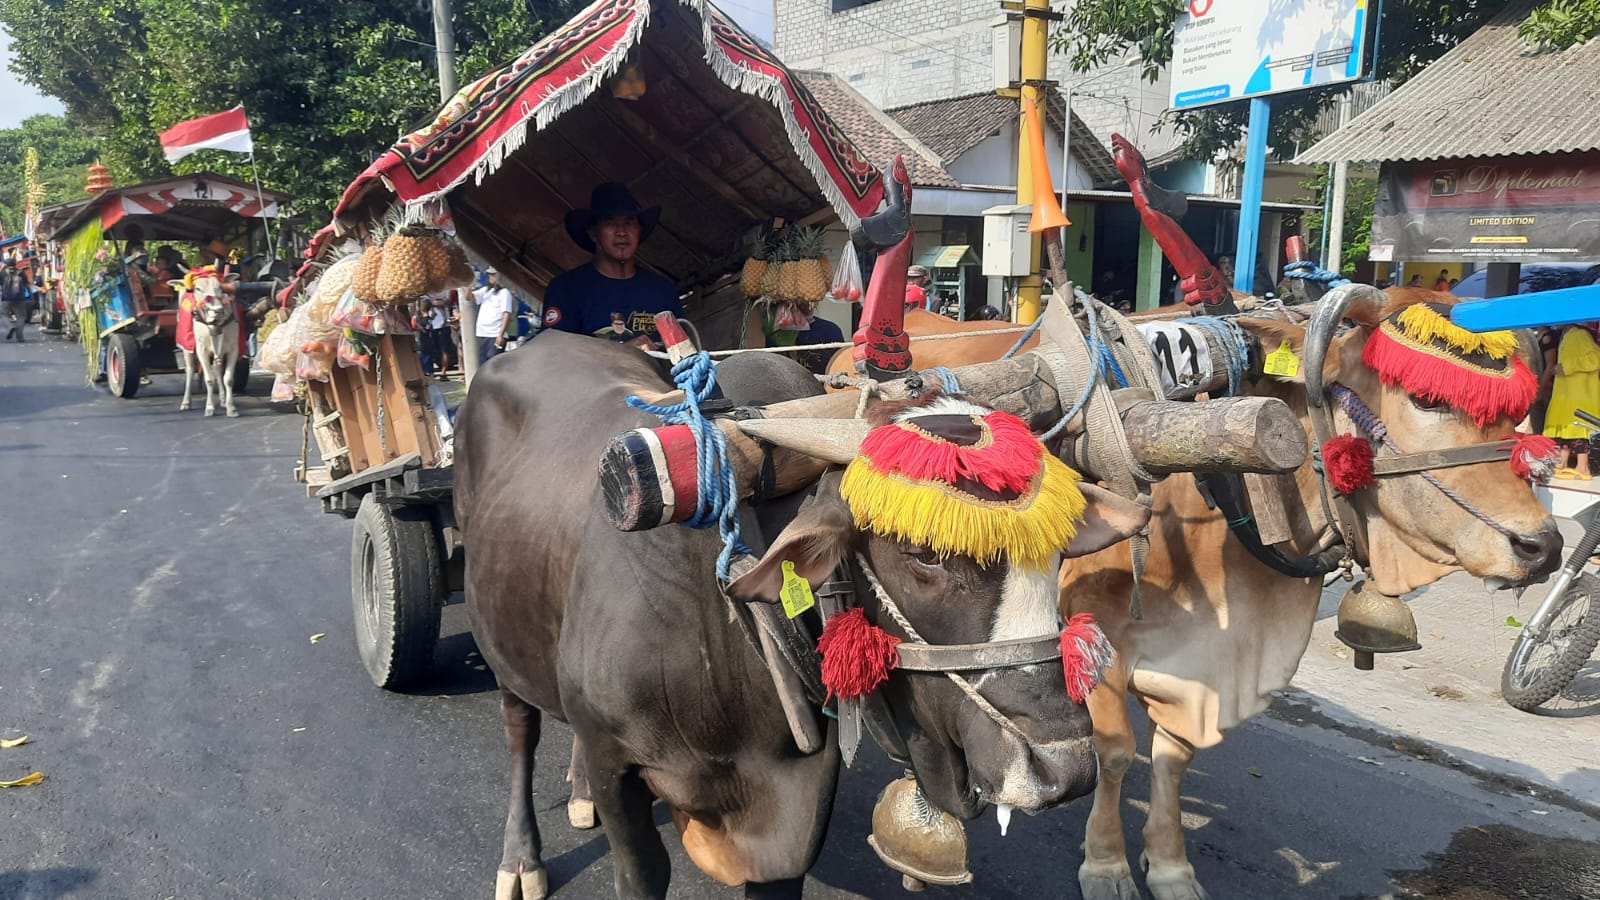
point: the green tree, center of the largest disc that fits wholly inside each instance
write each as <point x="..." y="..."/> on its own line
<point x="327" y="86"/>
<point x="64" y="150"/>
<point x="1415" y="33"/>
<point x="1360" y="196"/>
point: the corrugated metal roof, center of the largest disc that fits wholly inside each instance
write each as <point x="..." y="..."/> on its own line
<point x="1490" y="95"/>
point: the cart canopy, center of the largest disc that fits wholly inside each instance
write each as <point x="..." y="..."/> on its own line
<point x="194" y="208"/>
<point x="723" y="137"/>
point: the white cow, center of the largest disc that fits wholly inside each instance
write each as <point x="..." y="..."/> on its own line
<point x="216" y="335"/>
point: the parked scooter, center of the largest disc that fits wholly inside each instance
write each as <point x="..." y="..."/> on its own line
<point x="1564" y="630"/>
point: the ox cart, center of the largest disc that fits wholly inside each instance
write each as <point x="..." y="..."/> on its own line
<point x="135" y="316"/>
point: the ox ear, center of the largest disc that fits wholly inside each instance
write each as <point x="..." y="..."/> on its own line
<point x="176" y="284"/>
<point x="1273" y="333"/>
<point x="815" y="541"/>
<point x="1109" y="519"/>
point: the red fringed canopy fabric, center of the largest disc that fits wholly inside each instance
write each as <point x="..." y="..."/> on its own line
<point x="723" y="137"/>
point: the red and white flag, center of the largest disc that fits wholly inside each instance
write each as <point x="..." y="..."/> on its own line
<point x="227" y="130"/>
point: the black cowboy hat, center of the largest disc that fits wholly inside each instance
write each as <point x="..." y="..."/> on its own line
<point x="606" y="200"/>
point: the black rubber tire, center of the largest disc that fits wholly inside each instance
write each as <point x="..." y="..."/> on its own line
<point x="397" y="588"/>
<point x="241" y="376"/>
<point x="122" y="365"/>
<point x="1576" y="642"/>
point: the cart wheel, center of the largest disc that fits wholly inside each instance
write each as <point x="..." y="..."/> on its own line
<point x="122" y="365"/>
<point x="397" y="587"/>
<point x="241" y="376"/>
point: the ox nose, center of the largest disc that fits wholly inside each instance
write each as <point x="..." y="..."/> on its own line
<point x="1540" y="551"/>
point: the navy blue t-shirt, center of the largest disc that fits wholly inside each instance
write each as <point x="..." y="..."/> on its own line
<point x="582" y="301"/>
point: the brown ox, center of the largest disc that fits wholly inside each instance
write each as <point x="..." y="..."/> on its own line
<point x="1221" y="631"/>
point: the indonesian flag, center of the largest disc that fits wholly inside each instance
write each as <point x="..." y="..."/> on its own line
<point x="219" y="131"/>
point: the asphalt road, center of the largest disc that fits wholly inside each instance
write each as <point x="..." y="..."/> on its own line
<point x="161" y="577"/>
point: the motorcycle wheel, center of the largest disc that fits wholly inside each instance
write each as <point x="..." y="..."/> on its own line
<point x="1537" y="670"/>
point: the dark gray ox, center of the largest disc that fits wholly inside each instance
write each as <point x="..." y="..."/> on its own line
<point x="625" y="637"/>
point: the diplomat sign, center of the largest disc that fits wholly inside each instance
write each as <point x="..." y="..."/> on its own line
<point x="1226" y="50"/>
<point x="1510" y="209"/>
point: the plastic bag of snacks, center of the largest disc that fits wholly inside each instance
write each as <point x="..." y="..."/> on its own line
<point x="313" y="365"/>
<point x="847" y="276"/>
<point x="329" y="288"/>
<point x="353" y="351"/>
<point x="788" y="316"/>
<point x="277" y="354"/>
<point x="355" y="315"/>
<point x="282" y="388"/>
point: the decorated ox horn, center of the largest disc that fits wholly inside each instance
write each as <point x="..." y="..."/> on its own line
<point x="830" y="440"/>
<point x="1330" y="311"/>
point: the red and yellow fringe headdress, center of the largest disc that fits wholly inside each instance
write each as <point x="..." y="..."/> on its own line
<point x="956" y="477"/>
<point x="1434" y="359"/>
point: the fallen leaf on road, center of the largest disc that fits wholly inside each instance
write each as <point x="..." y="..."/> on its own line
<point x="318" y="636"/>
<point x="65" y="476"/>
<point x="28" y="780"/>
<point x="1512" y="621"/>
<point x="1446" y="692"/>
<point x="298" y="730"/>
<point x="1254" y="771"/>
<point x="1370" y="761"/>
<point x="8" y="743"/>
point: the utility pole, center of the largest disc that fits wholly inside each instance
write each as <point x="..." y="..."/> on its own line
<point x="1336" y="184"/>
<point x="444" y="44"/>
<point x="1035" y="29"/>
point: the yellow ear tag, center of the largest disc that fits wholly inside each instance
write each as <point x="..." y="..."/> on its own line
<point x="796" y="592"/>
<point x="1282" y="362"/>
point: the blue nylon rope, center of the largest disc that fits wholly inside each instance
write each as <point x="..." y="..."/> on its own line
<point x="718" y="504"/>
<point x="1310" y="271"/>
<point x="952" y="385"/>
<point x="1023" y="339"/>
<point x="1235" y="348"/>
<point x="1368" y="421"/>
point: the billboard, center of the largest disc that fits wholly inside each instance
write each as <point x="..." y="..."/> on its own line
<point x="1225" y="50"/>
<point x="1489" y="209"/>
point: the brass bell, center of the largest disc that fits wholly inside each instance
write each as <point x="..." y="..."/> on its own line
<point x="916" y="838"/>
<point x="1370" y="622"/>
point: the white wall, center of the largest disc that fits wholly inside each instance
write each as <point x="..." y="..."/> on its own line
<point x="994" y="162"/>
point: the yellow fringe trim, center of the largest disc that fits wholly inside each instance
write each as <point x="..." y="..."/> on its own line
<point x="1424" y="324"/>
<point x="1029" y="531"/>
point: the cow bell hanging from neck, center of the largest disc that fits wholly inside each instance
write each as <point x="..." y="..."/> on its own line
<point x="1370" y="622"/>
<point x="917" y="839"/>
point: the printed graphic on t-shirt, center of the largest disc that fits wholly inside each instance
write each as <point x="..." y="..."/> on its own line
<point x="552" y="317"/>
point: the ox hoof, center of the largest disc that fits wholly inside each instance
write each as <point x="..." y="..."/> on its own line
<point x="183" y="406"/>
<point x="210" y="412"/>
<point x="1107" y="883"/>
<point x="580" y="814"/>
<point x="233" y="414"/>
<point x="533" y="885"/>
<point x="1172" y="882"/>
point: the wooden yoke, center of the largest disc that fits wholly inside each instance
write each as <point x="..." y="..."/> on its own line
<point x="1160" y="209"/>
<point x="883" y="348"/>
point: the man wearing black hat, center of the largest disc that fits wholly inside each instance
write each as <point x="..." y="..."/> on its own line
<point x="584" y="299"/>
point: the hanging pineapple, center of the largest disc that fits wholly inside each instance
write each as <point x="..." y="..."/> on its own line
<point x="775" y="260"/>
<point x="754" y="267"/>
<point x="438" y="260"/>
<point x="365" y="281"/>
<point x="404" y="276"/>
<point x="789" y="274"/>
<point x="460" y="268"/>
<point x="814" y="275"/>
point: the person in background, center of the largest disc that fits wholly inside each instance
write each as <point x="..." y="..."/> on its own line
<point x="1416" y="281"/>
<point x="917" y="282"/>
<point x="494" y="316"/>
<point x="1443" y="282"/>
<point x="1452" y="284"/>
<point x="1576" y="385"/>
<point x="433" y="333"/>
<point x="585" y="299"/>
<point x="14" y="293"/>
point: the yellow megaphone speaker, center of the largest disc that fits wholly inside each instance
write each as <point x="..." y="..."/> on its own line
<point x="1047" y="212"/>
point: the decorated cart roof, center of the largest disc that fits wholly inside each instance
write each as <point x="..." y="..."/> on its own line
<point x="195" y="207"/>
<point x="723" y="137"/>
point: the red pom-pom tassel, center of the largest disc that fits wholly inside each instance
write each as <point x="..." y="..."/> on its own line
<point x="856" y="654"/>
<point x="1534" y="457"/>
<point x="1086" y="652"/>
<point x="1347" y="460"/>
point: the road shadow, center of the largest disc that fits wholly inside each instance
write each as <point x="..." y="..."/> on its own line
<point x="458" y="668"/>
<point x="1499" y="861"/>
<point x="18" y="401"/>
<point x="45" y="884"/>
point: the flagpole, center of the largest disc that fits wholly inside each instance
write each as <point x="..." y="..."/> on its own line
<point x="272" y="242"/>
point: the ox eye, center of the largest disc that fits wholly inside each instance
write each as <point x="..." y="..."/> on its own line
<point x="1428" y="405"/>
<point x="922" y="556"/>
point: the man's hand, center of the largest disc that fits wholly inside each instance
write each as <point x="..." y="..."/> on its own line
<point x="643" y="342"/>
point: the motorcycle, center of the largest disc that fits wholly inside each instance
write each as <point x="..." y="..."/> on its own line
<point x="1561" y="636"/>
